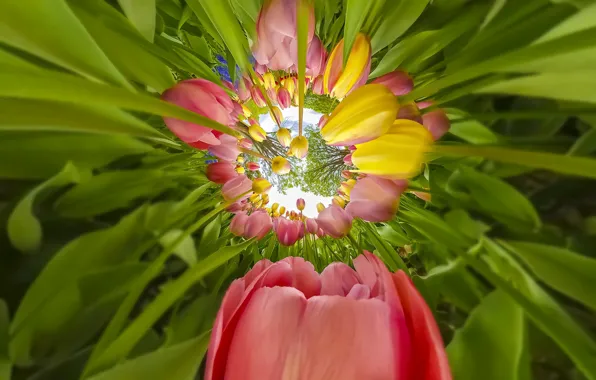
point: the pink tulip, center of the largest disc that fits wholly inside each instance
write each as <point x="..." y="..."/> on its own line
<point x="276" y="45"/>
<point x="348" y="160"/>
<point x="409" y="111"/>
<point x="398" y="81"/>
<point x="258" y="225"/>
<point x="375" y="199"/>
<point x="346" y="174"/>
<point x="238" y="222"/>
<point x="300" y="204"/>
<point x="323" y="120"/>
<point x="204" y="98"/>
<point x="245" y="143"/>
<point x="221" y="172"/>
<point x="335" y="221"/>
<point x="435" y="121"/>
<point x="272" y="95"/>
<point x="244" y="88"/>
<point x="257" y="97"/>
<point x="283" y="320"/>
<point x="236" y="207"/>
<point x="260" y="69"/>
<point x="317" y="86"/>
<point x="253" y="166"/>
<point x="316" y="58"/>
<point x="236" y="187"/>
<point x="311" y="226"/>
<point x="284" y="98"/>
<point x="320" y="233"/>
<point x="287" y="231"/>
<point x="227" y="150"/>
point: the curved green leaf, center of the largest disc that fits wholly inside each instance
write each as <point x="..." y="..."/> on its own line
<point x="142" y="15"/>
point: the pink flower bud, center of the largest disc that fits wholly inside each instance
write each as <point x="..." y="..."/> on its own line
<point x="227" y="150"/>
<point x="436" y="121"/>
<point x="236" y="187"/>
<point x="258" y="225"/>
<point x="284" y="98"/>
<point x="221" y="172"/>
<point x="238" y="222"/>
<point x="287" y="231"/>
<point x="375" y="199"/>
<point x="335" y="221"/>
<point x="398" y="81"/>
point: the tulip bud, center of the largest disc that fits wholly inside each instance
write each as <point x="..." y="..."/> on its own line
<point x="287" y="231"/>
<point x="311" y="226"/>
<point x="398" y="154"/>
<point x="260" y="185"/>
<point x="245" y="143"/>
<point x="375" y="199"/>
<point x="240" y="170"/>
<point x="290" y="85"/>
<point x="300" y="204"/>
<point x="317" y="86"/>
<point x="346" y="174"/>
<point x="257" y="97"/>
<point x="348" y="160"/>
<point x="220" y="172"/>
<point x="315" y="58"/>
<point x="284" y="136"/>
<point x="339" y="80"/>
<point x="299" y="147"/>
<point x="284" y="98"/>
<point x="238" y="222"/>
<point x="254" y="198"/>
<point x="240" y="160"/>
<point x="227" y="150"/>
<point x="276" y="115"/>
<point x="323" y="120"/>
<point x="244" y="90"/>
<point x="335" y="221"/>
<point x="280" y="165"/>
<point x="257" y="133"/>
<point x="246" y="111"/>
<point x="398" y="81"/>
<point x="436" y="121"/>
<point x="320" y="207"/>
<point x="272" y="95"/>
<point x="338" y="201"/>
<point x="269" y="80"/>
<point x="282" y="210"/>
<point x="265" y="198"/>
<point x="274" y="206"/>
<point x="257" y="225"/>
<point x="252" y="166"/>
<point x="236" y="187"/>
<point x="364" y="115"/>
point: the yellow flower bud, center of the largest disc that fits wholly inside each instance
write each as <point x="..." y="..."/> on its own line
<point x="239" y="170"/>
<point x="338" y="80"/>
<point x="282" y="210"/>
<point x="284" y="136"/>
<point x="240" y="160"/>
<point x="268" y="80"/>
<point x="246" y="111"/>
<point x="320" y="207"/>
<point x="339" y="201"/>
<point x="280" y="165"/>
<point x="276" y="115"/>
<point x="257" y="133"/>
<point x="299" y="147"/>
<point x="274" y="206"/>
<point x="260" y="185"/>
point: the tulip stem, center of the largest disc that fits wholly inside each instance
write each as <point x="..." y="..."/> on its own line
<point x="418" y="189"/>
<point x="256" y="154"/>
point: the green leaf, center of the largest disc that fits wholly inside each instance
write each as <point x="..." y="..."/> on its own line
<point x="473" y="132"/>
<point x="355" y="13"/>
<point x="122" y="346"/>
<point x="461" y="221"/>
<point x="122" y="43"/>
<point x="23" y="228"/>
<point x="584" y="145"/>
<point x="579" y="166"/>
<point x="492" y="343"/>
<point x="494" y="197"/>
<point x="389" y="234"/>
<point x="397" y="19"/>
<point x="42" y="154"/>
<point x="568" y="272"/>
<point x="142" y="15"/>
<point x="505" y="273"/>
<point x="54" y="297"/>
<point x="46" y="85"/>
<point x="176" y="362"/>
<point x="572" y="86"/>
<point x="97" y="196"/>
<point x="193" y="320"/>
<point x="5" y="364"/>
<point x="185" y="250"/>
<point x="35" y="115"/>
<point x="385" y="250"/>
<point x="582" y="20"/>
<point x="53" y="33"/>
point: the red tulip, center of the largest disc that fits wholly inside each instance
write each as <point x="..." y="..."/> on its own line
<point x="252" y="166"/>
<point x="236" y="187"/>
<point x="436" y="121"/>
<point x="245" y="143"/>
<point x="375" y="199"/>
<point x="284" y="98"/>
<point x="316" y="58"/>
<point x="221" y="172"/>
<point x="276" y="45"/>
<point x="335" y="221"/>
<point x="227" y="150"/>
<point x="287" y="231"/>
<point x="285" y="321"/>
<point x="398" y="81"/>
<point x="258" y="225"/>
<point x="238" y="222"/>
<point x="204" y="98"/>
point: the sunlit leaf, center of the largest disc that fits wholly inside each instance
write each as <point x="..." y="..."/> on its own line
<point x="398" y="19"/>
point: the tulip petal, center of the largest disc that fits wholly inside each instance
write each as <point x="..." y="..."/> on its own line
<point x="355" y="346"/>
<point x="428" y="352"/>
<point x="272" y="318"/>
<point x="337" y="279"/>
<point x="306" y="279"/>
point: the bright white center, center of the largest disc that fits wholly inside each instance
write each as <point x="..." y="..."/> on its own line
<point x="289" y="199"/>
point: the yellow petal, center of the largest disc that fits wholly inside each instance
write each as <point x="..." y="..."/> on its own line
<point x="357" y="62"/>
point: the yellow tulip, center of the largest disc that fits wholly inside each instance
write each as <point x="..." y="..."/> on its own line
<point x="265" y="198"/>
<point x="299" y="147"/>
<point x="274" y="207"/>
<point x="246" y="111"/>
<point x="276" y="114"/>
<point x="347" y="186"/>
<point x="338" y="80"/>
<point x="398" y="154"/>
<point x="284" y="136"/>
<point x="364" y="115"/>
<point x="280" y="165"/>
<point x="320" y="207"/>
<point x="282" y="210"/>
<point x="257" y="133"/>
<point x="268" y="80"/>
<point x="337" y="200"/>
<point x="254" y="198"/>
<point x="240" y="170"/>
<point x="240" y="160"/>
<point x="290" y="85"/>
<point x="260" y="185"/>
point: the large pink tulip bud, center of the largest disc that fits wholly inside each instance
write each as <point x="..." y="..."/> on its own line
<point x="221" y="172"/>
<point x="398" y="81"/>
<point x="311" y="226"/>
<point x="236" y="187"/>
<point x="335" y="221"/>
<point x="258" y="225"/>
<point x="287" y="231"/>
<point x="283" y="320"/>
<point x="204" y="98"/>
<point x="316" y="58"/>
<point x="238" y="223"/>
<point x="227" y="150"/>
<point x="244" y="88"/>
<point x="284" y="98"/>
<point x="375" y="199"/>
<point x="276" y="45"/>
<point x="435" y="121"/>
<point x="257" y="97"/>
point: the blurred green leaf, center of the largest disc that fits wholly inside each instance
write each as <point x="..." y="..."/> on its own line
<point x="579" y="166"/>
<point x="54" y="297"/>
<point x="176" y="362"/>
<point x="5" y="364"/>
<point x="389" y="234"/>
<point x="462" y="222"/>
<point x="396" y="20"/>
<point x="23" y="228"/>
<point x="492" y="343"/>
<point x="50" y="30"/>
<point x="185" y="250"/>
<point x="40" y="155"/>
<point x="356" y="13"/>
<point x="95" y="196"/>
<point x="195" y="319"/>
<point x="568" y="272"/>
<point x="35" y="115"/>
<point x="582" y="20"/>
<point x="473" y="132"/>
<point x="141" y="14"/>
<point x="385" y="250"/>
<point x="494" y="197"/>
<point x="584" y="145"/>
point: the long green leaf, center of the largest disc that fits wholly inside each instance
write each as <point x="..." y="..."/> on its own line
<point x="356" y="13"/>
<point x="396" y="21"/>
<point x="142" y="15"/>
<point x="564" y="164"/>
<point x="5" y="364"/>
